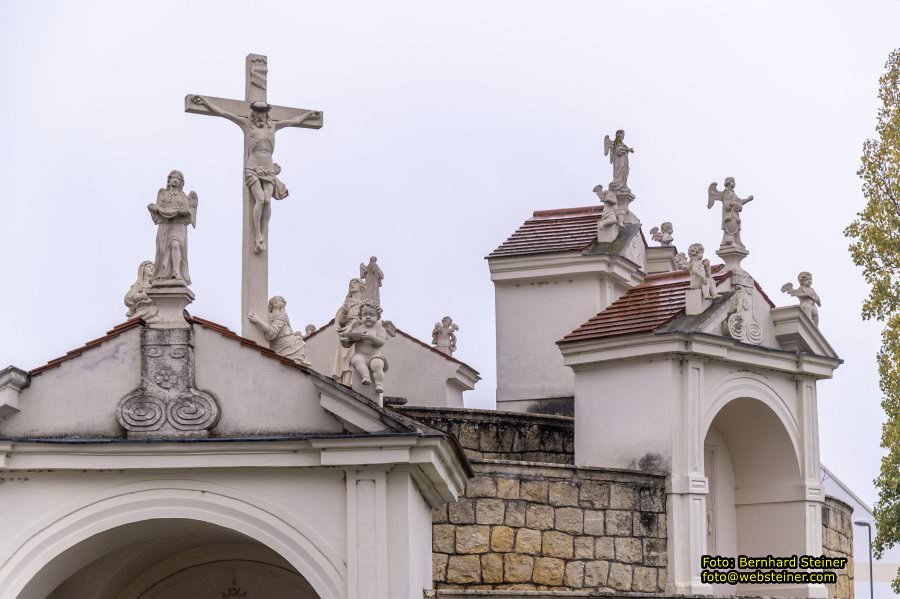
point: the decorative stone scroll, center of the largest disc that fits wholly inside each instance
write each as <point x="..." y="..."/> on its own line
<point x="443" y="336"/>
<point x="741" y="323"/>
<point x="809" y="299"/>
<point x="167" y="405"/>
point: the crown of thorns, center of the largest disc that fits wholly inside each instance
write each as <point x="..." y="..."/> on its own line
<point x="259" y="107"/>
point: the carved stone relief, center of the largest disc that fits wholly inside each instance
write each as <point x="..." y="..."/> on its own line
<point x="741" y="323"/>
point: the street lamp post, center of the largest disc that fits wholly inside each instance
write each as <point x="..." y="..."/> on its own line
<point x="868" y="525"/>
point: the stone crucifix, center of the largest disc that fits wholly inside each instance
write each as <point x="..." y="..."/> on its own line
<point x="259" y="121"/>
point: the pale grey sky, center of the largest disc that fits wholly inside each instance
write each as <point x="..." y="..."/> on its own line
<point x="447" y="124"/>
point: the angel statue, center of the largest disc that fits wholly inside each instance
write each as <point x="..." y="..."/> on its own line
<point x="612" y="218"/>
<point x="443" y="335"/>
<point x="172" y="212"/>
<point x="808" y="297"/>
<point x="731" y="211"/>
<point x="701" y="272"/>
<point x="618" y="157"/>
<point x="663" y="234"/>
<point x="368" y="335"/>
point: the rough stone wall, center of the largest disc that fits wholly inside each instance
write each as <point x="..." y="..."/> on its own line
<point x="492" y="435"/>
<point x="551" y="527"/>
<point x="837" y="541"/>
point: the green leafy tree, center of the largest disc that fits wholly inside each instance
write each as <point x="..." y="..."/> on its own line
<point x="875" y="234"/>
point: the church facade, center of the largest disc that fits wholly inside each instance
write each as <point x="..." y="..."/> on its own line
<point x="656" y="409"/>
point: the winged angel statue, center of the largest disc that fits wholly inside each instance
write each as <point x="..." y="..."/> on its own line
<point x="731" y="211"/>
<point x="172" y="212"/>
<point x="618" y="157"/>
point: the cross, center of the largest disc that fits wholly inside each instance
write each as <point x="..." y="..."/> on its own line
<point x="259" y="121"/>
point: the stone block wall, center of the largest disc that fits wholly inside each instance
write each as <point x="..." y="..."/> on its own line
<point x="493" y="435"/>
<point x="551" y="527"/>
<point x="837" y="541"/>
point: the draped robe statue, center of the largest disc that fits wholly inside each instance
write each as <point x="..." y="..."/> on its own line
<point x="172" y="212"/>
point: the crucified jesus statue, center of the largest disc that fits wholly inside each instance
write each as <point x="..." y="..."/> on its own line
<point x="260" y="171"/>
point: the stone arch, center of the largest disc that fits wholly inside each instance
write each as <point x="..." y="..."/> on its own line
<point x="34" y="566"/>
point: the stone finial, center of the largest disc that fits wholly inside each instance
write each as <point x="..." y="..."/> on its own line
<point x="732" y="249"/>
<point x="680" y="261"/>
<point x="368" y="334"/>
<point x="443" y="336"/>
<point x="372" y="275"/>
<point x="809" y="299"/>
<point x="612" y="217"/>
<point x="277" y="329"/>
<point x="346" y="317"/>
<point x="663" y="234"/>
<point x="172" y="213"/>
<point x="137" y="301"/>
<point x="702" y="285"/>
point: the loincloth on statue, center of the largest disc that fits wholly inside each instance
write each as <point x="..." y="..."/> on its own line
<point x="263" y="174"/>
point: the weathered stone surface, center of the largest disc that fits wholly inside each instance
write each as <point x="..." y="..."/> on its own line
<point x="464" y="569"/>
<point x="569" y="519"/>
<point x="502" y="538"/>
<point x="517" y="567"/>
<point x="439" y="514"/>
<point x="472" y="539"/>
<point x="489" y="511"/>
<point x="534" y="490"/>
<point x="622" y="497"/>
<point x="661" y="581"/>
<point x="443" y="538"/>
<point x="652" y="500"/>
<point x="628" y="550"/>
<point x="595" y="573"/>
<point x="528" y="541"/>
<point x="594" y="522"/>
<point x="619" y="577"/>
<point x="549" y="571"/>
<point x="594" y="494"/>
<point x="563" y="493"/>
<point x="515" y="513"/>
<point x="584" y="547"/>
<point x="507" y="488"/>
<point x="539" y="516"/>
<point x="655" y="552"/>
<point x="438" y="566"/>
<point x="492" y="567"/>
<point x="618" y="523"/>
<point x="604" y="548"/>
<point x="481" y="486"/>
<point x="644" y="579"/>
<point x="644" y="524"/>
<point x="462" y="512"/>
<point x="574" y="575"/>
<point x="558" y="544"/>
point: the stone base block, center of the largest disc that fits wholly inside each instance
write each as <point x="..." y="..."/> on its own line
<point x="694" y="302"/>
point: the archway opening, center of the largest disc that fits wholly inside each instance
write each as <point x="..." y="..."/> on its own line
<point x="755" y="503"/>
<point x="168" y="558"/>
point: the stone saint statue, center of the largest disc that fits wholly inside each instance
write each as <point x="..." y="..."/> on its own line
<point x="443" y="336"/>
<point x="372" y="275"/>
<point x="618" y="156"/>
<point x="347" y="316"/>
<point x="368" y="335"/>
<point x="137" y="301"/>
<point x="809" y="299"/>
<point x="261" y="172"/>
<point x="172" y="212"/>
<point x="277" y="329"/>
<point x="663" y="234"/>
<point x="732" y="206"/>
<point x="701" y="273"/>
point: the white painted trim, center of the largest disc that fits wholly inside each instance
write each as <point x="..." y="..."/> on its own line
<point x="541" y="267"/>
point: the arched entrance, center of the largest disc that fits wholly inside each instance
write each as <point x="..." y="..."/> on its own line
<point x="755" y="504"/>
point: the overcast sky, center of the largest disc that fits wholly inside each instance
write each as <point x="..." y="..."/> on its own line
<point x="447" y="124"/>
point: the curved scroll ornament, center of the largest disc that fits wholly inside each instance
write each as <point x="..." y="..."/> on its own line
<point x="193" y="411"/>
<point x="741" y="323"/>
<point x="138" y="411"/>
<point x="167" y="404"/>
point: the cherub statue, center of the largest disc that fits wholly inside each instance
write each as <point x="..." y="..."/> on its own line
<point x="663" y="234"/>
<point x="731" y="211"/>
<point x="612" y="218"/>
<point x="618" y="156"/>
<point x="809" y="299"/>
<point x="680" y="261"/>
<point x="443" y="336"/>
<point x="137" y="301"/>
<point x="701" y="273"/>
<point x="347" y="316"/>
<point x="372" y="275"/>
<point x="172" y="212"/>
<point x="277" y="329"/>
<point x="368" y="335"/>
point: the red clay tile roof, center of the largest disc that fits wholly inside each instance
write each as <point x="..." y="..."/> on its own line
<point x="656" y="301"/>
<point x="551" y="231"/>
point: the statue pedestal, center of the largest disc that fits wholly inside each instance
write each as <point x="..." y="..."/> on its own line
<point x="171" y="297"/>
<point x="694" y="302"/>
<point x="732" y="255"/>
